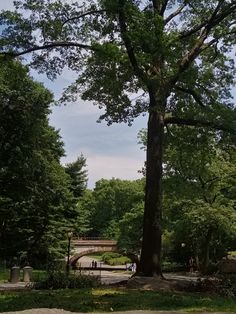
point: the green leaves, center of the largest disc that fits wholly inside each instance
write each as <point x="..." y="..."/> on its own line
<point x="77" y="175"/>
<point x="35" y="197"/>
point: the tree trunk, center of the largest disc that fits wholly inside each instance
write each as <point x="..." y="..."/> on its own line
<point x="150" y="261"/>
<point x="206" y="253"/>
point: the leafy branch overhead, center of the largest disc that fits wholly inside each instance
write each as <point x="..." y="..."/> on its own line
<point x="125" y="43"/>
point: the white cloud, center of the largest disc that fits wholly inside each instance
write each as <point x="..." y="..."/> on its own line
<point x="108" y="167"/>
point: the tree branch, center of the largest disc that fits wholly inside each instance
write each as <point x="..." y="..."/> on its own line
<point x="198" y="123"/>
<point x="213" y="18"/>
<point x="130" y="51"/>
<point x="163" y="8"/>
<point x="191" y="92"/>
<point x="189" y="57"/>
<point x="174" y="14"/>
<point x="48" y="46"/>
<point x="82" y="15"/>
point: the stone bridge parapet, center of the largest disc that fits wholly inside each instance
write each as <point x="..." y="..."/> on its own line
<point x="82" y="247"/>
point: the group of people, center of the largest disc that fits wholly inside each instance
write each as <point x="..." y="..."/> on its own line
<point x="94" y="264"/>
<point x="131" y="267"/>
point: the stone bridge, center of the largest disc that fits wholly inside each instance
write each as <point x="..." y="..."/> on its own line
<point x="85" y="246"/>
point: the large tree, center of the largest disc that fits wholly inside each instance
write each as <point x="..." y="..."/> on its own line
<point x="173" y="54"/>
<point x="36" y="206"/>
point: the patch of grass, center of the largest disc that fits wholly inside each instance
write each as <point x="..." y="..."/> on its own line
<point x="100" y="300"/>
<point x="4" y="274"/>
<point x="38" y="275"/>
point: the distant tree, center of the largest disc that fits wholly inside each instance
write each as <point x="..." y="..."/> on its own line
<point x="175" y="55"/>
<point x="85" y="208"/>
<point x="101" y="210"/>
<point x="130" y="230"/>
<point x="78" y="175"/>
<point x="113" y="199"/>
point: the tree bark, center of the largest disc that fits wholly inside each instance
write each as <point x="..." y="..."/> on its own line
<point x="206" y="253"/>
<point x="150" y="260"/>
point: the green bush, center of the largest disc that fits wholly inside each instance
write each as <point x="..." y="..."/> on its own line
<point x="60" y="280"/>
<point x="172" y="267"/>
<point x="122" y="260"/>
<point x="113" y="259"/>
<point x="108" y="256"/>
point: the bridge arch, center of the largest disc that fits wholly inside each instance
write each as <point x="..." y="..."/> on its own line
<point x="86" y="247"/>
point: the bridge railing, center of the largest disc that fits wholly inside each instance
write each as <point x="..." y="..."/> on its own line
<point x="92" y="238"/>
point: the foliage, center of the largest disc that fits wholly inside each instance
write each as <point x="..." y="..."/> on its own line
<point x="130" y="230"/>
<point x="78" y="175"/>
<point x="105" y="299"/>
<point x="113" y="259"/>
<point x="4" y="274"/>
<point x="36" y="206"/>
<point x="101" y="210"/>
<point x="224" y="286"/>
<point x="172" y="267"/>
<point x="85" y="208"/>
<point x="199" y="196"/>
<point x="60" y="280"/>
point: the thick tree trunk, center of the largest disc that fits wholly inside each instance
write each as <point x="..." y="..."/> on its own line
<point x="150" y="261"/>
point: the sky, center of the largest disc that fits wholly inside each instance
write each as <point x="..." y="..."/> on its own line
<point x="110" y="151"/>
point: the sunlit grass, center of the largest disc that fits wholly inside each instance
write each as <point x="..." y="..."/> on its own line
<point x="102" y="299"/>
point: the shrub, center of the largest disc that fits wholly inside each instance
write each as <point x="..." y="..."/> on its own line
<point x="60" y="280"/>
<point x="172" y="267"/>
<point x="108" y="256"/>
<point x="224" y="286"/>
<point x="122" y="260"/>
<point x="113" y="259"/>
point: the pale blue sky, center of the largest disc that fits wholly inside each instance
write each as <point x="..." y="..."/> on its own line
<point x="110" y="151"/>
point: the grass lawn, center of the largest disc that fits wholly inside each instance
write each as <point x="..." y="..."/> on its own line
<point x="103" y="299"/>
<point x="4" y="274"/>
<point x="37" y="275"/>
